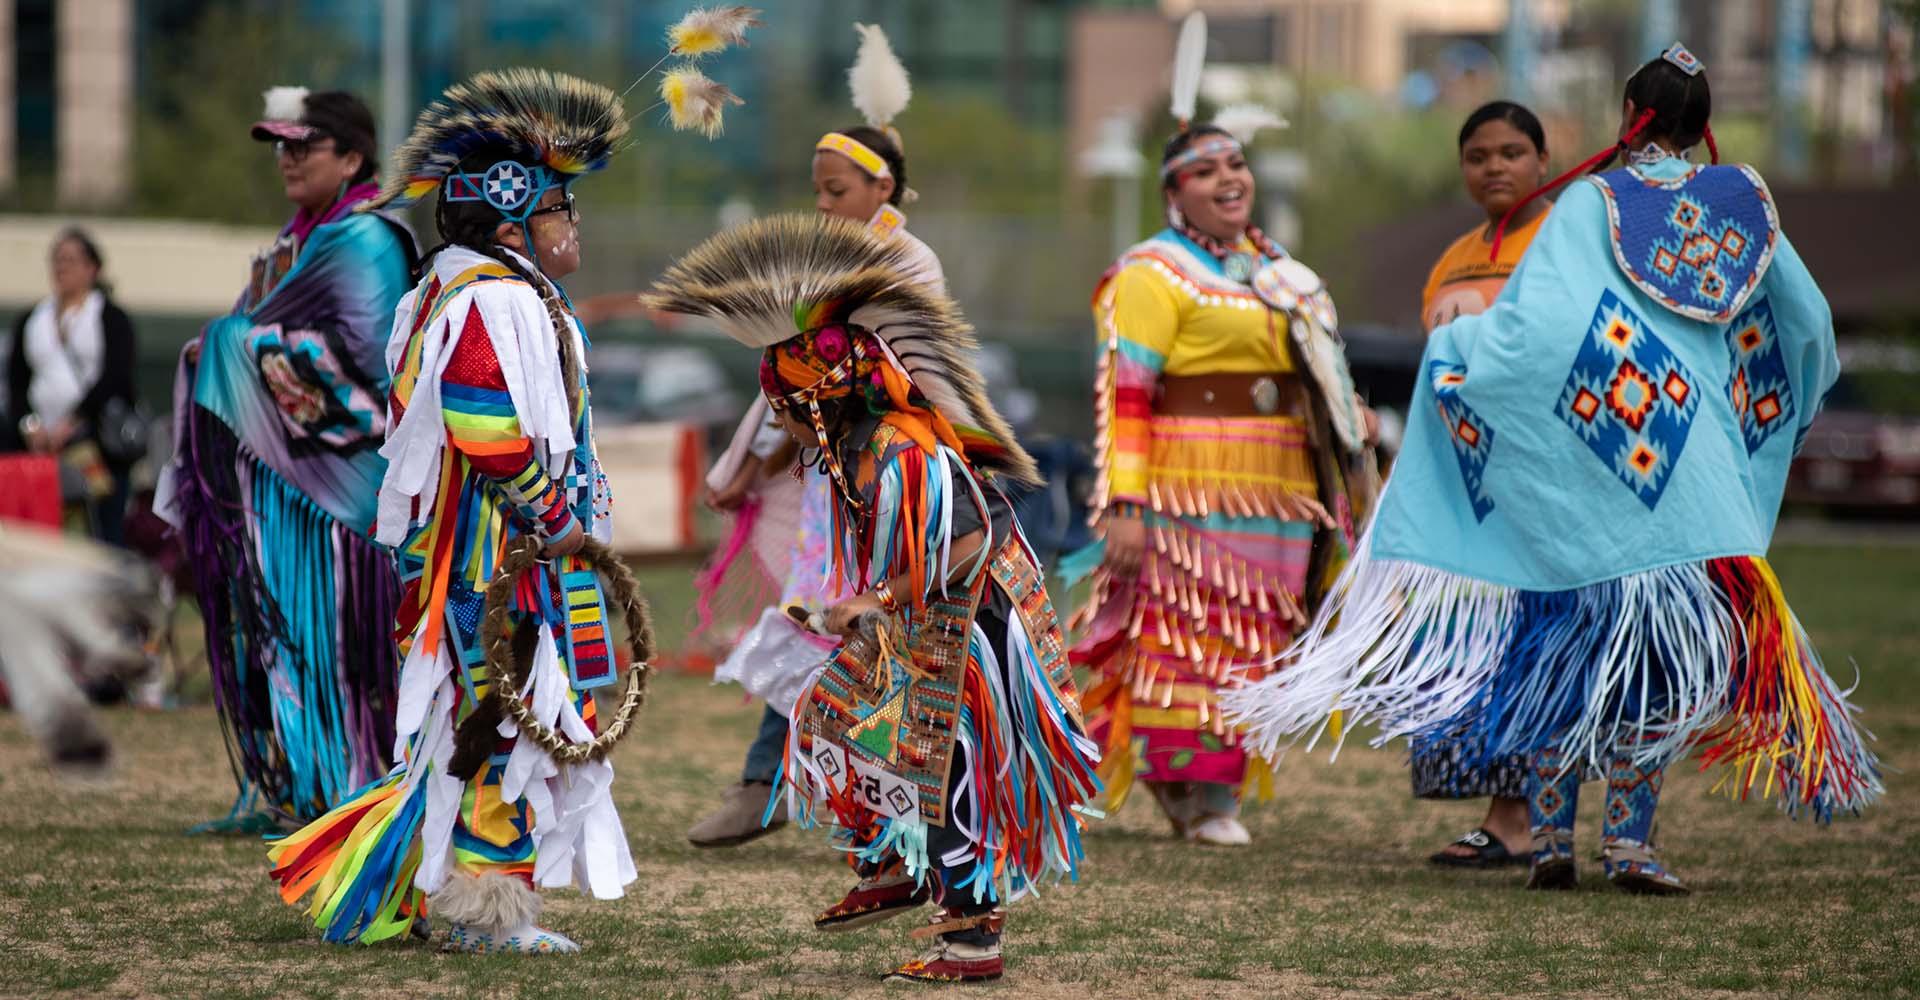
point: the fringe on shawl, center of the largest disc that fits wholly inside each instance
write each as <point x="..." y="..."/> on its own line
<point x="731" y="588"/>
<point x="304" y="677"/>
<point x="1703" y="656"/>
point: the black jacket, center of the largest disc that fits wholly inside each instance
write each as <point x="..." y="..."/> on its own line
<point x="116" y="375"/>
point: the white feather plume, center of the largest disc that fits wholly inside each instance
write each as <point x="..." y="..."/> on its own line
<point x="1244" y="121"/>
<point x="285" y="104"/>
<point x="878" y="81"/>
<point x="1189" y="58"/>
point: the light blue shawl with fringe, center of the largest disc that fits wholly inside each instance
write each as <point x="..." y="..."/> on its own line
<point x="1569" y="554"/>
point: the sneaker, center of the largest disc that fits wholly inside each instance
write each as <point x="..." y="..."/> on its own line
<point x="524" y="940"/>
<point x="952" y="962"/>
<point x="1220" y="831"/>
<point x="738" y="818"/>
<point x="873" y="900"/>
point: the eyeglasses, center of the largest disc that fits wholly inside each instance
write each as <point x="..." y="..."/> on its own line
<point x="298" y="150"/>
<point x="566" y="204"/>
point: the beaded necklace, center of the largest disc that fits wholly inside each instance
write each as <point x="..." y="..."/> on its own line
<point x="1238" y="264"/>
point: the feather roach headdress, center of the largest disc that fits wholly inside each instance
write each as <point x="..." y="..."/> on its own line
<point x="549" y="129"/>
<point x="777" y="279"/>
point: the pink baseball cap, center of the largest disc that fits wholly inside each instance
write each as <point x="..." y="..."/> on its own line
<point x="272" y="130"/>
<point x="285" y="107"/>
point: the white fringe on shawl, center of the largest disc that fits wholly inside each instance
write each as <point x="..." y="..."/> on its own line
<point x="1412" y="649"/>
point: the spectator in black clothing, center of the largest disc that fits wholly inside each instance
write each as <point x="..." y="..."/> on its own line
<point x="70" y="384"/>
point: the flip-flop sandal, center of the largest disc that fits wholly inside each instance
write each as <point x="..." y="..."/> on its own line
<point x="1488" y="852"/>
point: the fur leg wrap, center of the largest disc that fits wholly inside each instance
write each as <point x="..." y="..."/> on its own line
<point x="496" y="903"/>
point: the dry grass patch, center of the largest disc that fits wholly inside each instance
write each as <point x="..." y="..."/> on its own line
<point x="106" y="896"/>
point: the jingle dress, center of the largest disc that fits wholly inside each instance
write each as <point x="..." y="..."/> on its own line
<point x="1247" y="513"/>
<point x="488" y="445"/>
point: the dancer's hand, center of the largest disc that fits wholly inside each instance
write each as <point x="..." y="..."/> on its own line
<point x="1125" y="529"/>
<point x="841" y="617"/>
<point x="567" y="543"/>
<point x="1370" y="420"/>
<point x="62" y="433"/>
<point x="731" y="496"/>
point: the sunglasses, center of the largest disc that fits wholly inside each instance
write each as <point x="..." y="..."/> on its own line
<point x="298" y="150"/>
<point x="566" y="205"/>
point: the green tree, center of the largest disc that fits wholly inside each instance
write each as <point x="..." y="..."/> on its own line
<point x="193" y="156"/>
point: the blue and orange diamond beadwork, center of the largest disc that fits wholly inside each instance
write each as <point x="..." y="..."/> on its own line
<point x="1686" y="214"/>
<point x="1630" y="399"/>
<point x="1757" y="382"/>
<point x="1471" y="436"/>
<point x="1697" y="245"/>
<point x="1629" y="395"/>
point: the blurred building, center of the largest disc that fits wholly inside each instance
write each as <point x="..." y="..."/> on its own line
<point x="69" y="69"/>
<point x="1120" y="58"/>
<point x="66" y="96"/>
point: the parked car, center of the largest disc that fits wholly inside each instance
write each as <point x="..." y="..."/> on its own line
<point x="1862" y="454"/>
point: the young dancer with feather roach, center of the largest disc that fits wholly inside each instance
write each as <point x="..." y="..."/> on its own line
<point x="776" y="554"/>
<point x="942" y="732"/>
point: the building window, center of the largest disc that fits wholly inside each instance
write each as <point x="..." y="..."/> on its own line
<point x="1241" y="40"/>
<point x="35" y="88"/>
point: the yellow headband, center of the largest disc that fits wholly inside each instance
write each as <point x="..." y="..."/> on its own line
<point x="862" y="157"/>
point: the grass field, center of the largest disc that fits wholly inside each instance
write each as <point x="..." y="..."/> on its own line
<point x="104" y="897"/>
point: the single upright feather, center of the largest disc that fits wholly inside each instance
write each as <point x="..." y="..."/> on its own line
<point x="1244" y="121"/>
<point x="706" y="30"/>
<point x="694" y="101"/>
<point x="1189" y="58"/>
<point x="879" y="83"/>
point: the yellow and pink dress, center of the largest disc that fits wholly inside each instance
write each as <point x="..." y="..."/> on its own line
<point x="1213" y="428"/>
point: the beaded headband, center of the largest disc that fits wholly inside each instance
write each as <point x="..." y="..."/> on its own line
<point x="1212" y="145"/>
<point x="510" y="187"/>
<point x="866" y="159"/>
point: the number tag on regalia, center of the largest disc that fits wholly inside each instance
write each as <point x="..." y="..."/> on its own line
<point x="876" y="788"/>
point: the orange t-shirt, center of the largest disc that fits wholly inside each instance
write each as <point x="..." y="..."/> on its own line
<point x="1464" y="282"/>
